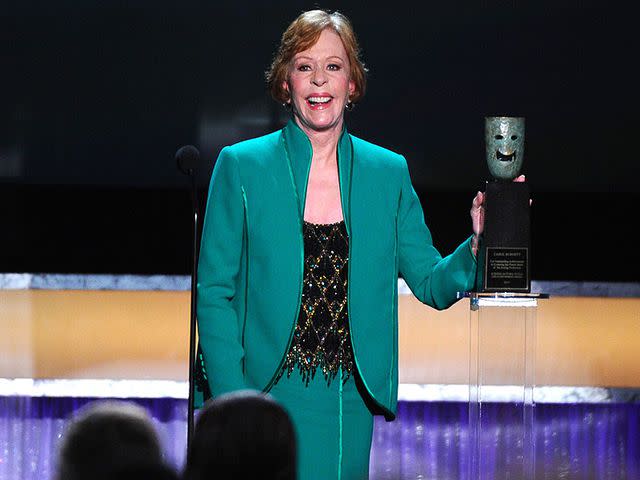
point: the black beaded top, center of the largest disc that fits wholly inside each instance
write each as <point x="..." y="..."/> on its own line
<point x="321" y="339"/>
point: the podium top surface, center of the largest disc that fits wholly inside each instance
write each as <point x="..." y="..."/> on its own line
<point x="500" y="295"/>
<point x="502" y="299"/>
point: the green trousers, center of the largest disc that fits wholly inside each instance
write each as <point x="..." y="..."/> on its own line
<point x="333" y="426"/>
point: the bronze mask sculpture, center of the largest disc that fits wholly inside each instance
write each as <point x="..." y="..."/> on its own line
<point x="504" y="141"/>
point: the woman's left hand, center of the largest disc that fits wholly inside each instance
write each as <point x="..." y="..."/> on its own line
<point x="477" y="214"/>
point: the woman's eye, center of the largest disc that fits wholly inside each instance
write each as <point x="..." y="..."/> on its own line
<point x="304" y="68"/>
<point x="499" y="137"/>
<point x="334" y="67"/>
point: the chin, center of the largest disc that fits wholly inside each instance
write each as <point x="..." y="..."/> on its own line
<point x="321" y="125"/>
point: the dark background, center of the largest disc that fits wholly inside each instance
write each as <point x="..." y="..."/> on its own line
<point x="96" y="97"/>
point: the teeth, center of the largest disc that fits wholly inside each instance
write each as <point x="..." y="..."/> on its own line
<point x="505" y="157"/>
<point x="319" y="99"/>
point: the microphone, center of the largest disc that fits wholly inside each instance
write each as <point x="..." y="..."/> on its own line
<point x="188" y="159"/>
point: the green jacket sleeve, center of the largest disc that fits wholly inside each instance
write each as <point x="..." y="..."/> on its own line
<point x="432" y="279"/>
<point x="219" y="325"/>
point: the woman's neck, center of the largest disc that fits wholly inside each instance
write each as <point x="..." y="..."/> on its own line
<point x="324" y="144"/>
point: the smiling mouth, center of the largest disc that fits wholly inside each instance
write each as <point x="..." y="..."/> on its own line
<point x="317" y="101"/>
<point x="505" y="158"/>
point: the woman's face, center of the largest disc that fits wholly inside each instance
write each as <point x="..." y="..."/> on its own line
<point x="319" y="84"/>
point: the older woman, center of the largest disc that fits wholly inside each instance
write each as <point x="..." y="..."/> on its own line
<point x="305" y="234"/>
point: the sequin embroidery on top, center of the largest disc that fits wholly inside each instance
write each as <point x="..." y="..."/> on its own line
<point x="321" y="339"/>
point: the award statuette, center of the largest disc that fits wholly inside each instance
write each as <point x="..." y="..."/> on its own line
<point x="504" y="254"/>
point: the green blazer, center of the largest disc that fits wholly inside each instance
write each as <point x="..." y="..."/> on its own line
<point x="251" y="259"/>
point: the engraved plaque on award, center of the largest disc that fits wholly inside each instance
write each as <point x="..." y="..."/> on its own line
<point x="505" y="252"/>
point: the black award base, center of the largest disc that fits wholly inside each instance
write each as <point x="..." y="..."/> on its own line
<point x="504" y="257"/>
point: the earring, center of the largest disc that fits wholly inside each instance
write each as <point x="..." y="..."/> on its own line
<point x="349" y="106"/>
<point x="287" y="106"/>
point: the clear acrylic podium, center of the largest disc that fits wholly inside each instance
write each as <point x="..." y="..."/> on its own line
<point x="502" y="355"/>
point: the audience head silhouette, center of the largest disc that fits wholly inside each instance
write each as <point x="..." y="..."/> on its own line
<point x="111" y="440"/>
<point x="244" y="434"/>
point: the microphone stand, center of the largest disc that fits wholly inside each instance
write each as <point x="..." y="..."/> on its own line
<point x="188" y="158"/>
<point x="192" y="324"/>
